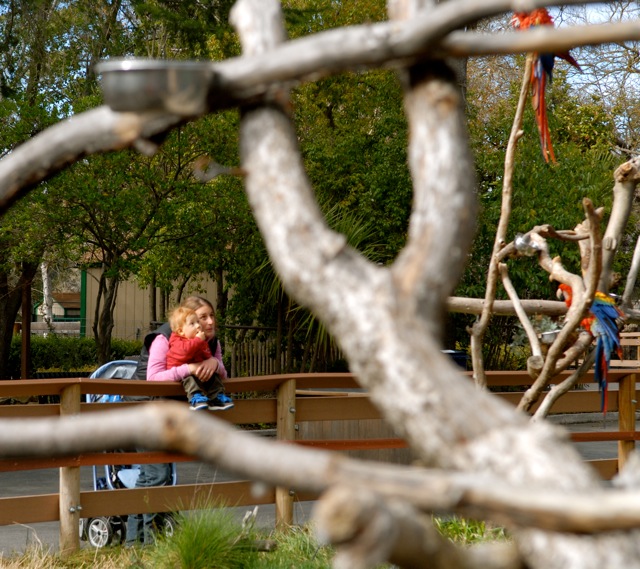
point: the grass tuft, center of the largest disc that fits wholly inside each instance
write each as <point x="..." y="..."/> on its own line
<point x="466" y="532"/>
<point x="206" y="538"/>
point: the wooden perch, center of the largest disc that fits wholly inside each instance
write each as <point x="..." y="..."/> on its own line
<point x="505" y="307"/>
<point x="583" y="295"/>
<point x="536" y="351"/>
<point x="479" y="328"/>
<point x="559" y="390"/>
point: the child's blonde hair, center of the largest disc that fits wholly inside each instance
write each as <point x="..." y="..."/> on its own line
<point x="178" y="317"/>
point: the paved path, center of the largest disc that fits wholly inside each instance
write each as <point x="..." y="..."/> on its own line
<point x="17" y="538"/>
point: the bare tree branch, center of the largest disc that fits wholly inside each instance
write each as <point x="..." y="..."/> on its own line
<point x="358" y="47"/>
<point x="555" y="40"/>
<point x="392" y="350"/>
<point x="631" y="278"/>
<point x="480" y="327"/>
<point x="62" y="144"/>
<point x="506" y="307"/>
<point x="522" y="316"/>
<point x="430" y="262"/>
<point x="581" y="301"/>
<point x="627" y="177"/>
<point x="559" y="390"/>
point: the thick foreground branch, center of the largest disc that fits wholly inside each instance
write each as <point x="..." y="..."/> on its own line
<point x="97" y="130"/>
<point x="171" y="426"/>
<point x="369" y="530"/>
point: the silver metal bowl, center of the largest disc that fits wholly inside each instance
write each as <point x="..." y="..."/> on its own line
<point x="549" y="337"/>
<point x="137" y="85"/>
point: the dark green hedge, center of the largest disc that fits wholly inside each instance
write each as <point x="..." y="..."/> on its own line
<point x="64" y="353"/>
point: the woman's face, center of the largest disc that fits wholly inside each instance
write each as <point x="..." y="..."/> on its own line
<point x="207" y="321"/>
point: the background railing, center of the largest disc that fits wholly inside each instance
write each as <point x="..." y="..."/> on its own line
<point x="327" y="411"/>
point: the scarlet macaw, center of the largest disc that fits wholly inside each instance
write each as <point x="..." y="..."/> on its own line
<point x="600" y="323"/>
<point x="541" y="69"/>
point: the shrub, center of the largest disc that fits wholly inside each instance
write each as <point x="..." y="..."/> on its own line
<point x="65" y="353"/>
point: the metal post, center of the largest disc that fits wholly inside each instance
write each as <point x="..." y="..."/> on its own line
<point x="285" y="431"/>
<point x="70" y="482"/>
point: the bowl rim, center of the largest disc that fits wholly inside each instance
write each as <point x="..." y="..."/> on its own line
<point x="149" y="64"/>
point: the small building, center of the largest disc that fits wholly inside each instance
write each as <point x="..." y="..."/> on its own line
<point x="66" y="311"/>
<point x="132" y="313"/>
<point x="66" y="307"/>
<point x="74" y="312"/>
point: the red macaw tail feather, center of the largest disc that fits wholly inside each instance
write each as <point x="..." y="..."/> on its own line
<point x="569" y="59"/>
<point x="543" y="63"/>
<point x="538" y="90"/>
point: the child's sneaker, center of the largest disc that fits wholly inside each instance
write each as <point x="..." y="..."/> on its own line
<point x="221" y="402"/>
<point x="198" y="401"/>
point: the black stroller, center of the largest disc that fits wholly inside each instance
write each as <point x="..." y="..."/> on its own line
<point x="112" y="530"/>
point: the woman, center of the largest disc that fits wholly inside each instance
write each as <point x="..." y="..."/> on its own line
<point x="153" y="358"/>
<point x="152" y="366"/>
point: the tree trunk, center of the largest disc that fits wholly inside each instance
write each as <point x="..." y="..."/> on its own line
<point x="46" y="306"/>
<point x="104" y="322"/>
<point x="10" y="303"/>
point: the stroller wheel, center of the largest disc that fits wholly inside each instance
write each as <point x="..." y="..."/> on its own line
<point x="99" y="532"/>
<point x="165" y="524"/>
<point x="169" y="527"/>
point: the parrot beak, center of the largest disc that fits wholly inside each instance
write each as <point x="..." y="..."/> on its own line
<point x="560" y="294"/>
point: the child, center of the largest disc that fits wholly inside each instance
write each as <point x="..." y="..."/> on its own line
<point x="188" y="345"/>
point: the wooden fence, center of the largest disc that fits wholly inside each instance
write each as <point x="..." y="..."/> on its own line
<point x="258" y="357"/>
<point x="300" y="406"/>
<point x="255" y="357"/>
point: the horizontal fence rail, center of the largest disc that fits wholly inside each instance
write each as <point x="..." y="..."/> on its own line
<point x="323" y="410"/>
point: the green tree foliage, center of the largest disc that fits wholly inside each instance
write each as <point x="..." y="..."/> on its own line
<point x="225" y="239"/>
<point x="32" y="73"/>
<point x="116" y="207"/>
<point x="132" y="213"/>
<point x="149" y="218"/>
<point x="184" y="28"/>
<point x="353" y="136"/>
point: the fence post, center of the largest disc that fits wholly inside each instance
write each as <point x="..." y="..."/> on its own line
<point x="626" y="416"/>
<point x="285" y="431"/>
<point x="70" y="481"/>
